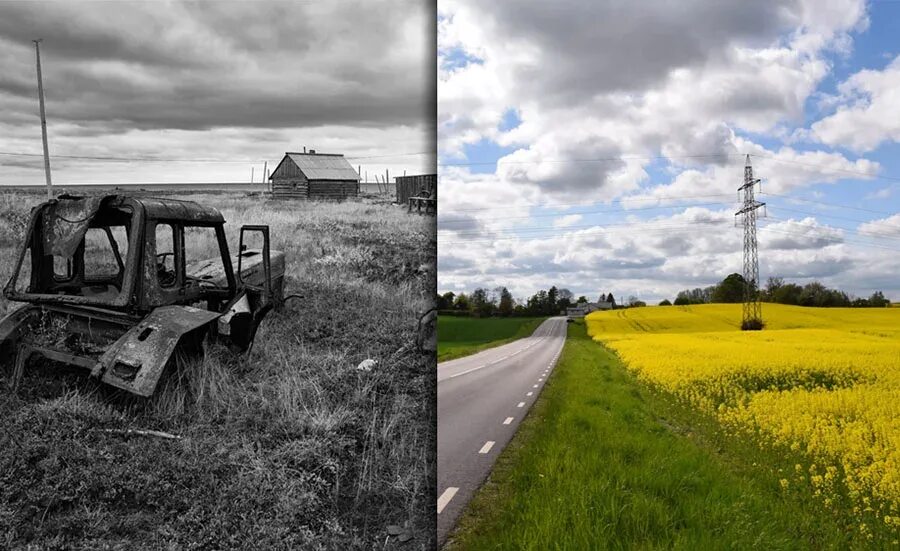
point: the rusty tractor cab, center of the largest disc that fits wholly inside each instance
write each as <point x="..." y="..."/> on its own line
<point x="117" y="284"/>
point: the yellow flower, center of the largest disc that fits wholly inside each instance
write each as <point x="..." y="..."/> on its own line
<point x="821" y="382"/>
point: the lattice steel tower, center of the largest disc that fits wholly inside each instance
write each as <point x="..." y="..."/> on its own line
<point x="752" y="307"/>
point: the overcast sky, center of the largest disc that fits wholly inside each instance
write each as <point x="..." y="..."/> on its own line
<point x="598" y="146"/>
<point x="236" y="81"/>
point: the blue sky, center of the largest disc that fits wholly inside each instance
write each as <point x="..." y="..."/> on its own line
<point x="583" y="121"/>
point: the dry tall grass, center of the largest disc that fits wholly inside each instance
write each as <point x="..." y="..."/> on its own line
<point x="291" y="447"/>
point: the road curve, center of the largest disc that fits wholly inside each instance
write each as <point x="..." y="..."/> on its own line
<point x="481" y="401"/>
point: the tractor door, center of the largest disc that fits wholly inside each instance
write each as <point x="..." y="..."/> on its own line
<point x="255" y="291"/>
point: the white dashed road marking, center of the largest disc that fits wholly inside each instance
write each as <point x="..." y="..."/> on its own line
<point x="445" y="498"/>
<point x="450" y="492"/>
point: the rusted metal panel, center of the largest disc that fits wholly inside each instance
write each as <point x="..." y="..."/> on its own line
<point x="65" y="223"/>
<point x="43" y="288"/>
<point x="173" y="209"/>
<point x="252" y="271"/>
<point x="136" y="361"/>
<point x="124" y="323"/>
<point x="11" y="328"/>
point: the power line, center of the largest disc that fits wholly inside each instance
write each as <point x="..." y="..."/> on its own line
<point x="681" y="229"/>
<point x="596" y="159"/>
<point x="627" y="225"/>
<point x="133" y="159"/>
<point x="869" y="234"/>
<point x="667" y="157"/>
<point x="779" y="207"/>
<point x="445" y="211"/>
<point x="853" y="231"/>
<point x="196" y="160"/>
<point x="466" y="237"/>
<point x="835" y="240"/>
<point x="512" y="233"/>
<point x="821" y="167"/>
<point x="827" y="204"/>
<point x="575" y="205"/>
<point x="552" y="235"/>
<point x="393" y="155"/>
<point x="614" y="211"/>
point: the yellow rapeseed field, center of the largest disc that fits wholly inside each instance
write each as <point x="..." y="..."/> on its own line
<point x="824" y="383"/>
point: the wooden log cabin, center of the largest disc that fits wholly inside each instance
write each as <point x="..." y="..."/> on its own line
<point x="314" y="176"/>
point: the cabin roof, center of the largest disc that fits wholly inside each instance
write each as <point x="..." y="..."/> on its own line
<point x="323" y="166"/>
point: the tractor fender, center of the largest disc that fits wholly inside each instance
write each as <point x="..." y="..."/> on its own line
<point x="10" y="331"/>
<point x="137" y="360"/>
<point x="12" y="322"/>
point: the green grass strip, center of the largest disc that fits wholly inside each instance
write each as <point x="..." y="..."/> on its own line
<point x="602" y="462"/>
<point x="460" y="336"/>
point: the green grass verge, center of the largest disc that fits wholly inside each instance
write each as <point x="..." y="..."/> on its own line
<point x="461" y="336"/>
<point x="602" y="462"/>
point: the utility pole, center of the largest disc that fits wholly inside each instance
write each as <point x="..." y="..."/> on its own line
<point x="265" y="172"/>
<point x="252" y="170"/>
<point x="37" y="53"/>
<point x="752" y="309"/>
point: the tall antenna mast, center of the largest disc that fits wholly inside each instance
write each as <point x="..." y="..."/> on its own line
<point x="752" y="309"/>
<point x="37" y="53"/>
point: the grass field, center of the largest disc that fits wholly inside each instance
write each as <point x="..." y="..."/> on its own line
<point x="603" y="461"/>
<point x="290" y="448"/>
<point x="461" y="336"/>
<point x="818" y="385"/>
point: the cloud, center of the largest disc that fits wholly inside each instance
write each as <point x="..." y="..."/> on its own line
<point x="882" y="193"/>
<point x="628" y="82"/>
<point x="782" y="171"/>
<point x="795" y="235"/>
<point x="868" y="113"/>
<point x="639" y="107"/>
<point x="567" y="220"/>
<point x="654" y="258"/>
<point x="886" y="227"/>
<point x="281" y="72"/>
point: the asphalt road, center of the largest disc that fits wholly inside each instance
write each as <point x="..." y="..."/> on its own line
<point x="481" y="401"/>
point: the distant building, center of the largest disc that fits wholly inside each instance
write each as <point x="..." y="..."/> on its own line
<point x="575" y="312"/>
<point x="585" y="308"/>
<point x="314" y="176"/>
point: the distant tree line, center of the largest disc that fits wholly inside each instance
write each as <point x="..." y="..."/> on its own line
<point x="731" y="289"/>
<point x="500" y="302"/>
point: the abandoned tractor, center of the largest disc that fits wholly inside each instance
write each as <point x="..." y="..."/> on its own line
<point x="121" y="286"/>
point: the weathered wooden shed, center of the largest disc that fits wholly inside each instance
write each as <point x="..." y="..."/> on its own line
<point x="314" y="176"/>
<point x="411" y="186"/>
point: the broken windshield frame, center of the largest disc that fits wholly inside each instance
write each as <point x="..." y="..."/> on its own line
<point x="42" y="270"/>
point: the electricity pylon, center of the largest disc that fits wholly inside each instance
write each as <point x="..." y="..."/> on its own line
<point x="752" y="309"/>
